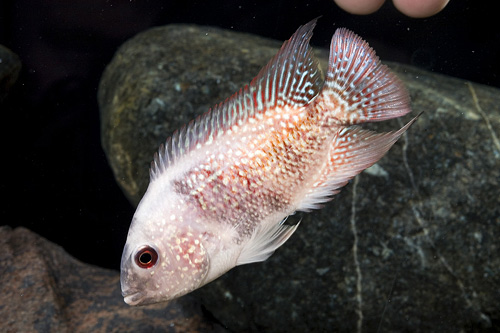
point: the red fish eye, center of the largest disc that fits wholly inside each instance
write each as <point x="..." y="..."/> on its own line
<point x="146" y="257"/>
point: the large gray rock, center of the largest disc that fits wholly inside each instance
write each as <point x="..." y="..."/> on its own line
<point x="410" y="245"/>
<point x="43" y="289"/>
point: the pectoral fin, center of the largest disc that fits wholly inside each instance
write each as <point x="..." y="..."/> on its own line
<point x="265" y="241"/>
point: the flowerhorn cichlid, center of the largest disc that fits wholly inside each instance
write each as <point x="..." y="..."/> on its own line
<point x="222" y="186"/>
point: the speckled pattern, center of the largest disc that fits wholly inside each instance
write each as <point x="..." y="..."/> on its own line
<point x="286" y="142"/>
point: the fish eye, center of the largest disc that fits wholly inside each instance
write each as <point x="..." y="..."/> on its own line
<point x="146" y="257"/>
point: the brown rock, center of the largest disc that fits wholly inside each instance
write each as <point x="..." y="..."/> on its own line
<point x="43" y="289"/>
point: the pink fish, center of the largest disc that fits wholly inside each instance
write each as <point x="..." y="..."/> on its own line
<point x="223" y="185"/>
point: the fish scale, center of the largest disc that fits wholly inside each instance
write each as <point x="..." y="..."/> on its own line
<point x="222" y="186"/>
<point x="237" y="195"/>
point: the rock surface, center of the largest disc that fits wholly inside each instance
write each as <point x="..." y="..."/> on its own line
<point x="10" y="66"/>
<point x="410" y="245"/>
<point x="43" y="289"/>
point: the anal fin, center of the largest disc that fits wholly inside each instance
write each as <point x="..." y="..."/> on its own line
<point x="354" y="149"/>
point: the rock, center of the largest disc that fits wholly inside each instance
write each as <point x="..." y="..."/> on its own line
<point x="10" y="66"/>
<point x="43" y="289"/>
<point x="410" y="245"/>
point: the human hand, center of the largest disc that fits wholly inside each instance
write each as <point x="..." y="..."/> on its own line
<point x="412" y="8"/>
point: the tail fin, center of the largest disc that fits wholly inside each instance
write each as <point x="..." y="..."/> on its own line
<point x="358" y="88"/>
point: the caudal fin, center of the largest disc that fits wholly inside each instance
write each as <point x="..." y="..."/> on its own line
<point x="358" y="88"/>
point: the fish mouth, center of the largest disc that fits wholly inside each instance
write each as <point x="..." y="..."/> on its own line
<point x="132" y="297"/>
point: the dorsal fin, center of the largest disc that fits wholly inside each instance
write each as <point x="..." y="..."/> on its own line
<point x="292" y="77"/>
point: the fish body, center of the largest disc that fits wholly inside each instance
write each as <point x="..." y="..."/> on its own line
<point x="222" y="186"/>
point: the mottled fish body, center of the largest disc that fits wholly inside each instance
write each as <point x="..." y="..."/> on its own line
<point x="222" y="186"/>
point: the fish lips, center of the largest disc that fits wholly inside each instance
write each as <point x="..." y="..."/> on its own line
<point x="132" y="297"/>
<point x="131" y="283"/>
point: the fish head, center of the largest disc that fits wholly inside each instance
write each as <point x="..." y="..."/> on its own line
<point x="160" y="266"/>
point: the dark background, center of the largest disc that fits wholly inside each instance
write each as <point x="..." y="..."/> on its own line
<point x="55" y="177"/>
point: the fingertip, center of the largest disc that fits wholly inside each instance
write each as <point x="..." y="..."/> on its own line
<point x="420" y="8"/>
<point x="360" y="7"/>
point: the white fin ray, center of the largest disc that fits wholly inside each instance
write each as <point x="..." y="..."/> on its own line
<point x="354" y="149"/>
<point x="292" y="77"/>
<point x="364" y="88"/>
<point x="264" y="241"/>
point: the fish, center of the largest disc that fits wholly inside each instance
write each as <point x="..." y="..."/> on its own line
<point x="222" y="186"/>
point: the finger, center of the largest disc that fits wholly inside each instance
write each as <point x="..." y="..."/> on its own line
<point x="420" y="8"/>
<point x="360" y="7"/>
